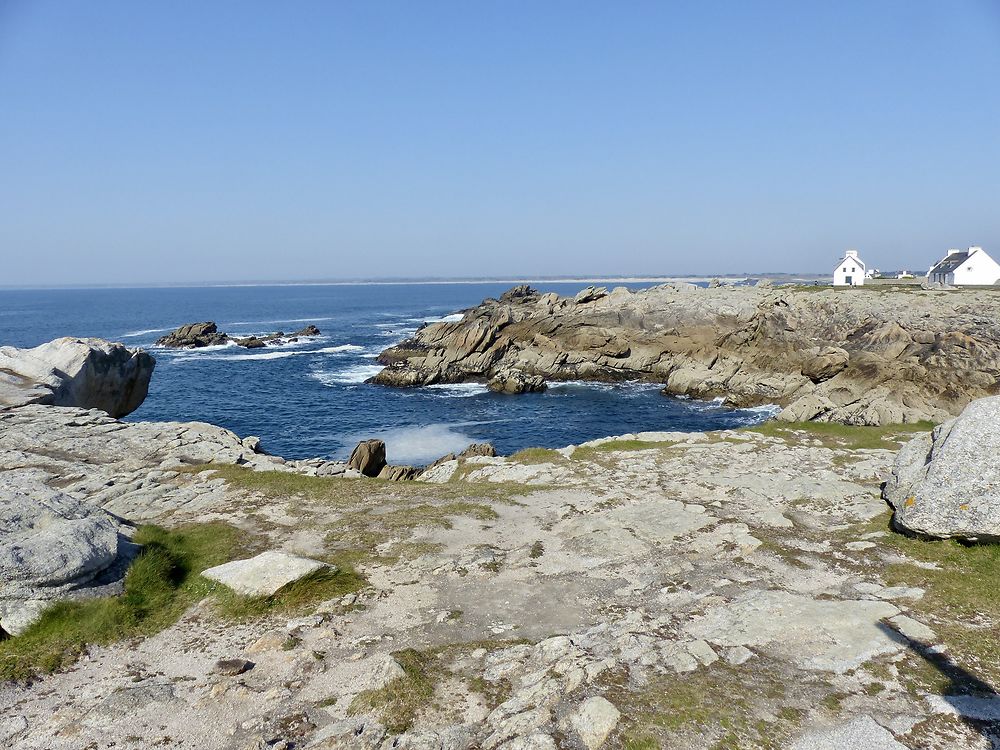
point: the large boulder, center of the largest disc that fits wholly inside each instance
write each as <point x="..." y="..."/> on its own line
<point x="52" y="546"/>
<point x="368" y="457"/>
<point x="89" y="373"/>
<point x="825" y="364"/>
<point x="193" y="336"/>
<point x="946" y="484"/>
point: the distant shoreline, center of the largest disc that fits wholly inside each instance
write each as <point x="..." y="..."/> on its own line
<point x="423" y="282"/>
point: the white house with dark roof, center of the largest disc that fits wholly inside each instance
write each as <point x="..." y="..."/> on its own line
<point x="972" y="267"/>
<point x="850" y="271"/>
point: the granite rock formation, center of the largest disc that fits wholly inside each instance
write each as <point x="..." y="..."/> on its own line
<point x="868" y="357"/>
<point x="89" y="373"/>
<point x="946" y="484"/>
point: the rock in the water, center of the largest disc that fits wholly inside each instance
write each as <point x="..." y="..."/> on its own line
<point x="368" y="457"/>
<point x="594" y="721"/>
<point x="90" y="373"/>
<point x="517" y="293"/>
<point x="309" y="330"/>
<point x="193" y="336"/>
<point x="946" y="484"/>
<point x="265" y="574"/>
<point x="515" y="381"/>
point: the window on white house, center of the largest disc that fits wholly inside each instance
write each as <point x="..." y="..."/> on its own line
<point x="852" y="269"/>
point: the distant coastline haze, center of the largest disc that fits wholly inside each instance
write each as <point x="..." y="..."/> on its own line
<point x="187" y="143"/>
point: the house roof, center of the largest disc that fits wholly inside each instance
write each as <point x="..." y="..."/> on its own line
<point x="853" y="259"/>
<point x="950" y="263"/>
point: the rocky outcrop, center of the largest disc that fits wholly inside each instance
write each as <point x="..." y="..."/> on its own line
<point x="89" y="373"/>
<point x="198" y="335"/>
<point x="946" y="484"/>
<point x="862" y="358"/>
<point x="515" y="381"/>
<point x="193" y="336"/>
<point x="368" y="457"/>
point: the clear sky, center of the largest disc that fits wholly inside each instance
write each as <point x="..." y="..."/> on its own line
<point x="189" y="140"/>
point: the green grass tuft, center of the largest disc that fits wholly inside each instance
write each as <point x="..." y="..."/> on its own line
<point x="160" y="584"/>
<point x="398" y="701"/>
<point x="834" y="434"/>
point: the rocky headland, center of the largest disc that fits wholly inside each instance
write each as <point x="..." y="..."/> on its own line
<point x="866" y="356"/>
<point x="736" y="589"/>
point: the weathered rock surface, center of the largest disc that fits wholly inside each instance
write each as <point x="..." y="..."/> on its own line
<point x="368" y="457"/>
<point x="552" y="609"/>
<point x="947" y="483"/>
<point x="866" y="358"/>
<point x="265" y="574"/>
<point x="90" y="373"/>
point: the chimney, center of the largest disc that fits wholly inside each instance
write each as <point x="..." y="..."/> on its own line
<point x="974" y="249"/>
<point x="952" y="252"/>
<point x="852" y="254"/>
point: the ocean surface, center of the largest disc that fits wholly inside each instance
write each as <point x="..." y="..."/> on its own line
<point x="310" y="398"/>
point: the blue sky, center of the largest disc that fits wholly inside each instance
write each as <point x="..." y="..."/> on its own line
<point x="186" y="141"/>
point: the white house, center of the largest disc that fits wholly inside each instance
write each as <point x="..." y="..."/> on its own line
<point x="972" y="267"/>
<point x="850" y="271"/>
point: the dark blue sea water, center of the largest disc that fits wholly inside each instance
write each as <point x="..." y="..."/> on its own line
<point x="310" y="399"/>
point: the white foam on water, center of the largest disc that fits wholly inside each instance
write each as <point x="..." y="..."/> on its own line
<point x="453" y="318"/>
<point x="145" y="332"/>
<point x="458" y="390"/>
<point x="270" y="322"/>
<point x="348" y="376"/>
<point x="194" y="352"/>
<point x="417" y="445"/>
<point x="259" y="355"/>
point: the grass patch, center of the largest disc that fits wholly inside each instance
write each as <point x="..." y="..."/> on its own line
<point x="538" y="456"/>
<point x="160" y="584"/>
<point x="587" y="452"/>
<point x="834" y="434"/>
<point x="713" y="707"/>
<point x="323" y="585"/>
<point x="398" y="701"/>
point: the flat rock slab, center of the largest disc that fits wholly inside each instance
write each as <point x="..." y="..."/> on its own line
<point x="265" y="574"/>
<point x="832" y="636"/>
<point x="862" y="733"/>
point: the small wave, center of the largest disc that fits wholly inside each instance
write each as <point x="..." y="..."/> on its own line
<point x="453" y="318"/>
<point x="201" y="351"/>
<point x="257" y="355"/>
<point x="145" y="332"/>
<point x="270" y="322"/>
<point x="458" y="390"/>
<point x="352" y="375"/>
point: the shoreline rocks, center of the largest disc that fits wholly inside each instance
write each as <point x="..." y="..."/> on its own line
<point x="870" y="358"/>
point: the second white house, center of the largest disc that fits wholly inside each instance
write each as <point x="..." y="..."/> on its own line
<point x="972" y="267"/>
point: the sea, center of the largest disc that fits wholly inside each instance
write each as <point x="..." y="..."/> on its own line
<point x="310" y="398"/>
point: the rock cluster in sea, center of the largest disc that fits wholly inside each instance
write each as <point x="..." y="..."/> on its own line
<point x="868" y="358"/>
<point x="198" y="335"/>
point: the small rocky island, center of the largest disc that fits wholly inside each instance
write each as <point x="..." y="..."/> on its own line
<point x="791" y="585"/>
<point x="199" y="335"/>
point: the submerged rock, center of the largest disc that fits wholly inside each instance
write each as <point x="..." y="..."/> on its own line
<point x="946" y="484"/>
<point x="89" y="373"/>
